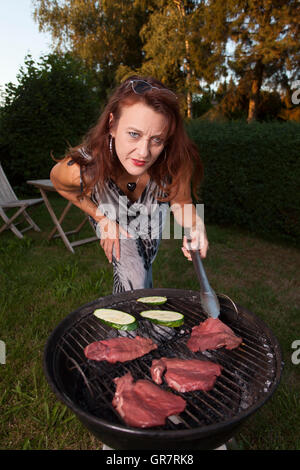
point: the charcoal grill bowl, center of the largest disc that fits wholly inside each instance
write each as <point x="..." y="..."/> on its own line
<point x="122" y="437"/>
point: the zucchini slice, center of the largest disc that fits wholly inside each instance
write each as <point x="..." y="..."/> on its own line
<point x="154" y="300"/>
<point x="116" y="319"/>
<point x="164" y="317"/>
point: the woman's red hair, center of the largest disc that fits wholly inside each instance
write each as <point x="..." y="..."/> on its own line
<point x="181" y="162"/>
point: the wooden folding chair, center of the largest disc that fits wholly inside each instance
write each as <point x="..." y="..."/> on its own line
<point x="9" y="200"/>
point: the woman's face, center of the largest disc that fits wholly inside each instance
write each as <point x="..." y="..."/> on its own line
<point x="139" y="137"/>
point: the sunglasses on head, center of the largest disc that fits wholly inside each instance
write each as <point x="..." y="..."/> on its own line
<point x="141" y="86"/>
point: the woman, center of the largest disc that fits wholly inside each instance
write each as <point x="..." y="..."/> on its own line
<point x="132" y="165"/>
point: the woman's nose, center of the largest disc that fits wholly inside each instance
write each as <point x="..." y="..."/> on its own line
<point x="143" y="149"/>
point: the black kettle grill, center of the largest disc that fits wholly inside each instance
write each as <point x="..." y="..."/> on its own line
<point x="249" y="377"/>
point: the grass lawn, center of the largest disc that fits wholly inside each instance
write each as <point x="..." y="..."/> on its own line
<point x="42" y="282"/>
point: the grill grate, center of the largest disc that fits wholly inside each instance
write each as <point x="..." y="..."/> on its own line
<point x="248" y="371"/>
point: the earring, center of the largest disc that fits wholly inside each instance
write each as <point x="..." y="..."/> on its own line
<point x="110" y="144"/>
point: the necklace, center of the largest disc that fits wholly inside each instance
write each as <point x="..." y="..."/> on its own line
<point x="131" y="186"/>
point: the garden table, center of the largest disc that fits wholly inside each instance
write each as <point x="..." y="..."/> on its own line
<point x="45" y="186"/>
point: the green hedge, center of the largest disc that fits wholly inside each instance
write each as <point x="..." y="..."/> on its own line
<point x="51" y="107"/>
<point x="252" y="175"/>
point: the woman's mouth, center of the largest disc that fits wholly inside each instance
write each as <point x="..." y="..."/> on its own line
<point x="138" y="162"/>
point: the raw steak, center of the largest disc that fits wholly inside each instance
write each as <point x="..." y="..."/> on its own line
<point x="185" y="375"/>
<point x="212" y="334"/>
<point x="119" y="349"/>
<point x="143" y="404"/>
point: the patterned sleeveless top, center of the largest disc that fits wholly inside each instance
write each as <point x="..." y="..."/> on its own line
<point x="143" y="219"/>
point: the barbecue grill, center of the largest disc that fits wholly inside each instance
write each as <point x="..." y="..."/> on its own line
<point x="249" y="377"/>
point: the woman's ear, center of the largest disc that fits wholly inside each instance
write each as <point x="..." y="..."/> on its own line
<point x="111" y="119"/>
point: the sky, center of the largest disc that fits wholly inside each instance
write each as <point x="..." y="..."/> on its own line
<point x="19" y="36"/>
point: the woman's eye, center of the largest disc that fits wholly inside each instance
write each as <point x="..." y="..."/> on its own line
<point x="157" y="140"/>
<point x="133" y="134"/>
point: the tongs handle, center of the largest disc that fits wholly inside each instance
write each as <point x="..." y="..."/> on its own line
<point x="209" y="300"/>
<point x="199" y="268"/>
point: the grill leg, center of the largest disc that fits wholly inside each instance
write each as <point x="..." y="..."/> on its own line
<point x="222" y="447"/>
<point x="105" y="447"/>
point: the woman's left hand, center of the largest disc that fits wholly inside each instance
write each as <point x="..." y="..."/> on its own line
<point x="198" y="241"/>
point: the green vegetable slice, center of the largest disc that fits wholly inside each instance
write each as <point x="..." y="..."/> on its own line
<point x="154" y="300"/>
<point x="164" y="317"/>
<point x="116" y="319"/>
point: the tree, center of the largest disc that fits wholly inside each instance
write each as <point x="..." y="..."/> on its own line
<point x="120" y="37"/>
<point x="177" y="48"/>
<point x="234" y="103"/>
<point x="104" y="34"/>
<point x="266" y="34"/>
<point x="184" y="43"/>
<point x="51" y="107"/>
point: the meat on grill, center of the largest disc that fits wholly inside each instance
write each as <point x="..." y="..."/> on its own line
<point x="143" y="404"/>
<point x="185" y="375"/>
<point x="119" y="349"/>
<point x="212" y="334"/>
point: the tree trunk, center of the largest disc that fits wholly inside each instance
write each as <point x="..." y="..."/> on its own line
<point x="255" y="92"/>
<point x="187" y="65"/>
<point x="188" y="80"/>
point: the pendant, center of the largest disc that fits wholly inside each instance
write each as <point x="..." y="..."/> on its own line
<point x="131" y="186"/>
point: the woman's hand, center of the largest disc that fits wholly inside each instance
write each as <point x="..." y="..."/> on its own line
<point x="110" y="237"/>
<point x="198" y="241"/>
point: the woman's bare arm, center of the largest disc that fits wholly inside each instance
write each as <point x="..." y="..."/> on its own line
<point x="66" y="180"/>
<point x="186" y="215"/>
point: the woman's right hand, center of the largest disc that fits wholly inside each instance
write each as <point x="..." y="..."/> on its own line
<point x="110" y="237"/>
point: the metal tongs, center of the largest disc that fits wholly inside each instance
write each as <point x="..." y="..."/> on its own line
<point x="209" y="300"/>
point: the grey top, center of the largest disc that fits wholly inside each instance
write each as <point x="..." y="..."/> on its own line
<point x="143" y="218"/>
